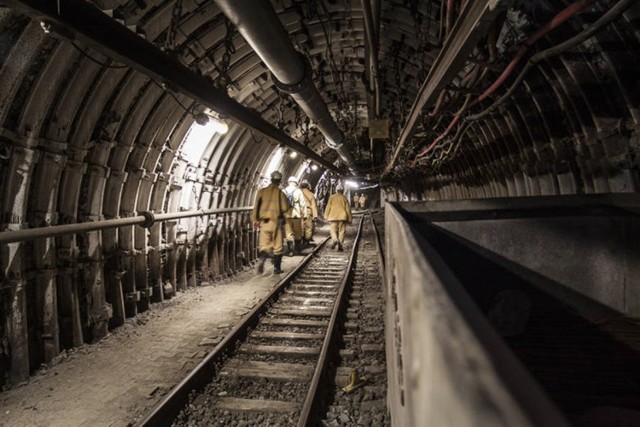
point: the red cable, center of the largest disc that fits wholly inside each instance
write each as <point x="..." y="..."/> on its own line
<point x="549" y="26"/>
<point x="557" y="20"/>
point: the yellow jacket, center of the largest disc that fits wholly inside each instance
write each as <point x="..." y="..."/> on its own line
<point x="312" y="206"/>
<point x="338" y="209"/>
<point x="270" y="204"/>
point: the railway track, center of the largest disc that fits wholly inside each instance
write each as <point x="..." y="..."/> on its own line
<point x="272" y="367"/>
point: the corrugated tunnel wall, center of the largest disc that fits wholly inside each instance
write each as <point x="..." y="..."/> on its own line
<point x="544" y="101"/>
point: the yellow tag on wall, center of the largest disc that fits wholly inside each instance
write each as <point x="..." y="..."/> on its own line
<point x="378" y="128"/>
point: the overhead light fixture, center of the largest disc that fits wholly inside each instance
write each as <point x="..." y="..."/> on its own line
<point x="351" y="184"/>
<point x="220" y="126"/>
<point x="217" y="124"/>
<point x="46" y="27"/>
<point x="293" y="154"/>
<point x="314" y="167"/>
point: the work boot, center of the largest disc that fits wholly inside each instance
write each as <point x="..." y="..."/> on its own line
<point x="263" y="258"/>
<point x="298" y="247"/>
<point x="340" y="248"/>
<point x="304" y="243"/>
<point x="277" y="264"/>
<point x="290" y="248"/>
<point x="334" y="244"/>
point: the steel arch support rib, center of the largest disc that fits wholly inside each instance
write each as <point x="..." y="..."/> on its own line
<point x="82" y="20"/>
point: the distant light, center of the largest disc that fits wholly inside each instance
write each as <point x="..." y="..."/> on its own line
<point x="196" y="141"/>
<point x="220" y="126"/>
<point x="314" y="167"/>
<point x="293" y="154"/>
<point x="217" y="124"/>
<point x="351" y="184"/>
<point x="46" y="27"/>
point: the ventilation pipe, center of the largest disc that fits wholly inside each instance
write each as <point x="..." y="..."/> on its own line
<point x="259" y="25"/>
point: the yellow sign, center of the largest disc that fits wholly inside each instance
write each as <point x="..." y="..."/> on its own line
<point x="378" y="128"/>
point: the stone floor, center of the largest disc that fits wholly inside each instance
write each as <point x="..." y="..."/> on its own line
<point x="115" y="381"/>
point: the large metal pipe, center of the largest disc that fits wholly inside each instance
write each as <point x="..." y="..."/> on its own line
<point x="145" y="219"/>
<point x="372" y="58"/>
<point x="81" y="20"/>
<point x="259" y="25"/>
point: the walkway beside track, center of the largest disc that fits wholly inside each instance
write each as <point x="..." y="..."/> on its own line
<point x="113" y="382"/>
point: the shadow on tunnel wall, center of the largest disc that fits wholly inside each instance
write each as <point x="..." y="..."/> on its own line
<point x="585" y="355"/>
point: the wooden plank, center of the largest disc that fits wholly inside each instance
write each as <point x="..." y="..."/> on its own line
<point x="236" y="404"/>
<point x="310" y="293"/>
<point x="280" y="349"/>
<point x="287" y="335"/>
<point x="294" y="322"/>
<point x="372" y="348"/>
<point x="307" y="300"/>
<point x="314" y="287"/>
<point x="317" y="280"/>
<point x="290" y="372"/>
<point x="304" y="307"/>
<point x="301" y="312"/>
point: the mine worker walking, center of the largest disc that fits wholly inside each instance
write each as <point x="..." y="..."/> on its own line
<point x="338" y="213"/>
<point x="297" y="209"/>
<point x="311" y="213"/>
<point x="269" y="213"/>
<point x="362" y="200"/>
<point x="356" y="200"/>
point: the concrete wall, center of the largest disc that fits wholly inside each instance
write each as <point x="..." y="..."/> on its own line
<point x="446" y="366"/>
<point x="586" y="244"/>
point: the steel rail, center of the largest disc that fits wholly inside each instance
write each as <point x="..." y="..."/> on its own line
<point x="311" y="401"/>
<point x="145" y="219"/>
<point x="165" y="411"/>
<point x="470" y="27"/>
<point x="79" y="19"/>
<point x="379" y="246"/>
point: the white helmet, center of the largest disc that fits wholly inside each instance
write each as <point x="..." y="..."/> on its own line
<point x="276" y="176"/>
<point x="339" y="187"/>
<point x="293" y="179"/>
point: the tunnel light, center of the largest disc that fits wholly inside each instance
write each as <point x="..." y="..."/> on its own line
<point x="314" y="167"/>
<point x="218" y="125"/>
<point x="196" y="140"/>
<point x="46" y="27"/>
<point x="293" y="154"/>
<point x="351" y="184"/>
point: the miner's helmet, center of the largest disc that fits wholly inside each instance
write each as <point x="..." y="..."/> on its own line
<point x="339" y="187"/>
<point x="293" y="179"/>
<point x="276" y="176"/>
<point x="305" y="184"/>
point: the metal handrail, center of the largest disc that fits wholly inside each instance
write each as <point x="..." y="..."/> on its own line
<point x="145" y="219"/>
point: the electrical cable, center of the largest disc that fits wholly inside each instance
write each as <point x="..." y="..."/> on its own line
<point x="95" y="60"/>
<point x="560" y="18"/>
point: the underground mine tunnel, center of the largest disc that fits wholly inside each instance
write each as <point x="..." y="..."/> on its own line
<point x="486" y="154"/>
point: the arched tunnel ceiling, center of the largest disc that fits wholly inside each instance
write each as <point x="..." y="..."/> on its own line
<point x="573" y="114"/>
